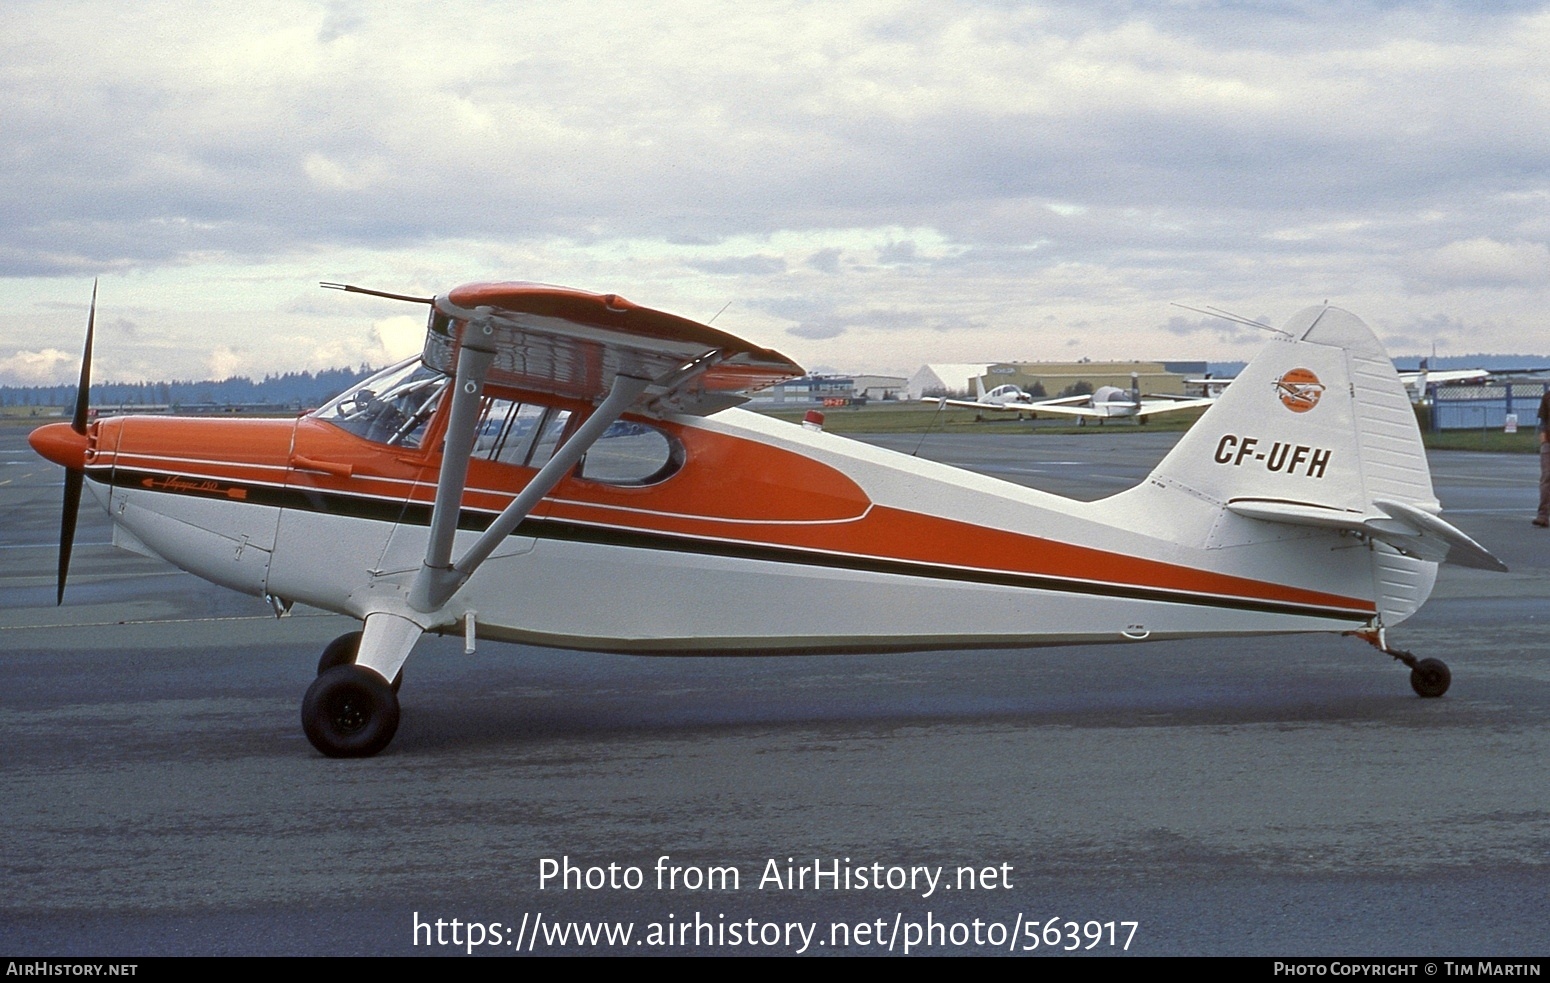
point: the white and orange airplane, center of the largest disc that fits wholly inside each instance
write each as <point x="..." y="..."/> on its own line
<point x="569" y="469"/>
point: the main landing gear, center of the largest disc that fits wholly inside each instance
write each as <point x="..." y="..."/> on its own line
<point x="1429" y="678"/>
<point x="341" y="652"/>
<point x="349" y="710"/>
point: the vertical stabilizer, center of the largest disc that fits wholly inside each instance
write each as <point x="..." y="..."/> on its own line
<point x="1317" y="418"/>
<point x="1309" y="440"/>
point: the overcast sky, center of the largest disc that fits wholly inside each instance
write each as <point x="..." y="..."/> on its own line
<point x="862" y="185"/>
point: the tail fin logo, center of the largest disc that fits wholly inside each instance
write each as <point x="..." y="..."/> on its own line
<point x="1299" y="390"/>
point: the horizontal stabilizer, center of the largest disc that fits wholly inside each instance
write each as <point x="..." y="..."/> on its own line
<point x="1408" y="529"/>
<point x="1461" y="549"/>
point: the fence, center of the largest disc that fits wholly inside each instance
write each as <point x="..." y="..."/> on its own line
<point x="1486" y="406"/>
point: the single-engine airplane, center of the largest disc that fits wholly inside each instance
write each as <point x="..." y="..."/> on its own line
<point x="1110" y="402"/>
<point x="569" y="469"/>
<point x="1001" y="398"/>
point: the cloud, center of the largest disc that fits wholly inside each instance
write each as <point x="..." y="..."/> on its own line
<point x="1482" y="261"/>
<point x="48" y="367"/>
<point x="740" y="265"/>
<point x="398" y="337"/>
<point x="825" y="261"/>
<point x="817" y="330"/>
<point x="1426" y="333"/>
<point x="968" y="168"/>
<point x="223" y="363"/>
<point x="1218" y="327"/>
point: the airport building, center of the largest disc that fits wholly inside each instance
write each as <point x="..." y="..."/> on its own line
<point x="831" y="390"/>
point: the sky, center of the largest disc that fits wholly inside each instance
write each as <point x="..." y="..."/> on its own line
<point x="864" y="186"/>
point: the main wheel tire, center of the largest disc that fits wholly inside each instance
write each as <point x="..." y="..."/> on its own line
<point x="341" y="652"/>
<point x="1430" y="678"/>
<point x="349" y="712"/>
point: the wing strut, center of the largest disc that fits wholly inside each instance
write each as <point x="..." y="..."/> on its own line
<point x="473" y="364"/>
<point x="438" y="580"/>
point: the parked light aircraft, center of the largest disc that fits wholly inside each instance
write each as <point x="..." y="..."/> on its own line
<point x="568" y="469"/>
<point x="1111" y="402"/>
<point x="1005" y="397"/>
<point x="1104" y="403"/>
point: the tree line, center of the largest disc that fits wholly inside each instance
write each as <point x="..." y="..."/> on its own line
<point x="295" y="390"/>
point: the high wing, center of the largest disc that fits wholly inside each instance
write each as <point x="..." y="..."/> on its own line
<point x="1073" y="406"/>
<point x="1068" y="407"/>
<point x="573" y="343"/>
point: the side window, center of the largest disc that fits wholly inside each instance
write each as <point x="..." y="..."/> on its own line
<point x="518" y="433"/>
<point x="548" y="439"/>
<point x="526" y="435"/>
<point x="632" y="454"/>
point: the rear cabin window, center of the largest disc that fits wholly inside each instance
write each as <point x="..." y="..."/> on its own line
<point x="526" y="434"/>
<point x="631" y="453"/>
<point x="523" y="434"/>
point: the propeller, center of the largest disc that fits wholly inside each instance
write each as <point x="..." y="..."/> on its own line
<point x="75" y="477"/>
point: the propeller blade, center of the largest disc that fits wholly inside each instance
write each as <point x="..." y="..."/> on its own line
<point x="73" y="482"/>
<point x="83" y="388"/>
<point x="75" y="478"/>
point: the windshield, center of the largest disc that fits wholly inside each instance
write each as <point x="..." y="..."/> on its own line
<point x="391" y="407"/>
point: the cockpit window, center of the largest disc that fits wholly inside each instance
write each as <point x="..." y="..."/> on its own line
<point x="392" y="407"/>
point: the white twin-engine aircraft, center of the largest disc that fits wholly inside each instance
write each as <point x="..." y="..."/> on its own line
<point x="567" y="469"/>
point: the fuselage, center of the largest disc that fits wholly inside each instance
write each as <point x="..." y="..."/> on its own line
<point x="749" y="534"/>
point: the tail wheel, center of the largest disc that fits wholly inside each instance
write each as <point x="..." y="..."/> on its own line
<point x="1430" y="678"/>
<point x="349" y="712"/>
<point x="341" y="652"/>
